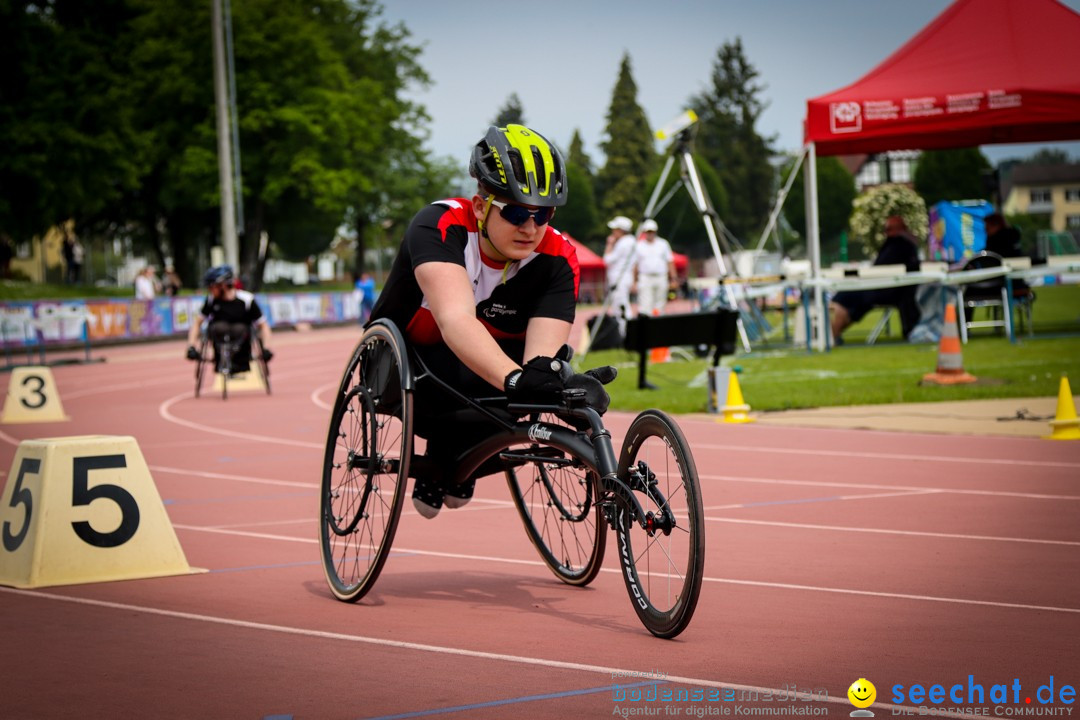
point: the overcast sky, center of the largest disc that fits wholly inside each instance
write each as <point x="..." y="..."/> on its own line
<point x="562" y="59"/>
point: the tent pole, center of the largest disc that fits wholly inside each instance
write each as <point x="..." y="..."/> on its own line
<point x="819" y="313"/>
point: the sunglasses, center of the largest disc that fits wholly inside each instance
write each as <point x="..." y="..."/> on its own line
<point x="519" y="214"/>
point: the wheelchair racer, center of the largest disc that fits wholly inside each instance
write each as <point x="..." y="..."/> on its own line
<point x="478" y="285"/>
<point x="230" y="313"/>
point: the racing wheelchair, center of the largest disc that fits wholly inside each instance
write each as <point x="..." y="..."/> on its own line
<point x="567" y="484"/>
<point x="221" y="360"/>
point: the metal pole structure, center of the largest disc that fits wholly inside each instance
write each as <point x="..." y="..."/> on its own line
<point x="819" y="313"/>
<point x="780" y="199"/>
<point x="238" y="187"/>
<point x="228" y="213"/>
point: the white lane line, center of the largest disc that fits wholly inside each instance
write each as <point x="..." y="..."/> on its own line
<point x="880" y="531"/>
<point x="318" y="402"/>
<point x="811" y="501"/>
<point x="609" y="672"/>
<point x="226" y="476"/>
<point x="870" y="486"/>
<point x="785" y="586"/>
<point x="888" y="456"/>
<point x="164" y="412"/>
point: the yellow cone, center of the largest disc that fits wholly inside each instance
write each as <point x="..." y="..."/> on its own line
<point x="735" y="408"/>
<point x="1065" y="425"/>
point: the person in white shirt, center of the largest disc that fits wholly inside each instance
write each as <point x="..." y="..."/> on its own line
<point x="654" y="270"/>
<point x="146" y="284"/>
<point x="619" y="258"/>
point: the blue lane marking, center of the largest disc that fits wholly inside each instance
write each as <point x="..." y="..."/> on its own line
<point x="514" y="701"/>
<point x="294" y="564"/>
<point x="793" y="502"/>
<point x="278" y="717"/>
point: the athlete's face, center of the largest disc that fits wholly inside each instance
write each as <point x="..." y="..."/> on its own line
<point x="511" y="242"/>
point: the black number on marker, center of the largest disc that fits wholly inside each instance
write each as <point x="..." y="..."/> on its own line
<point x="36" y="391"/>
<point x="21" y="496"/>
<point x="83" y="494"/>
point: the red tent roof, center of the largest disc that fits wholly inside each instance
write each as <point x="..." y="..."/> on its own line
<point x="983" y="72"/>
<point x="586" y="258"/>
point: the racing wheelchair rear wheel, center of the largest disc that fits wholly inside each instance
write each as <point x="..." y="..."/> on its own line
<point x="555" y="494"/>
<point x="257" y="351"/>
<point x="201" y="363"/>
<point x="662" y="562"/>
<point x="366" y="462"/>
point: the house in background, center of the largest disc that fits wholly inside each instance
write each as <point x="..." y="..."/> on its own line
<point x="1052" y="190"/>
<point x="894" y="166"/>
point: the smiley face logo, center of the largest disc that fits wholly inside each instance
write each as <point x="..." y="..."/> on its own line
<point x="862" y="693"/>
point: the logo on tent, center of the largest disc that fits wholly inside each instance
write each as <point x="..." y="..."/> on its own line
<point x="845" y="117"/>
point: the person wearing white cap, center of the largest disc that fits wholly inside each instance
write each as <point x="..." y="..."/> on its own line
<point x="655" y="270"/>
<point x="619" y="259"/>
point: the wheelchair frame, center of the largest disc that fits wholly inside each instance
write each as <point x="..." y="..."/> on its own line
<point x="224" y="368"/>
<point x="623" y="493"/>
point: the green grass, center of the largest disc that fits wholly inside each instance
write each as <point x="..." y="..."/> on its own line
<point x="858" y="374"/>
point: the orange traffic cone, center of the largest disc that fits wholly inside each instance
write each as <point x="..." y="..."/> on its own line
<point x="1065" y="425"/>
<point x="735" y="408"/>
<point x="950" y="362"/>
<point x="659" y="354"/>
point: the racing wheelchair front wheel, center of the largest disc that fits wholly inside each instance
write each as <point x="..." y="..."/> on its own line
<point x="366" y="462"/>
<point x="663" y="561"/>
<point x="555" y="494"/>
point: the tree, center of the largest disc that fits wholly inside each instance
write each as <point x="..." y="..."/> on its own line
<point x="727" y="140"/>
<point x="578" y="156"/>
<point x="630" y="157"/>
<point x="951" y="175"/>
<point x="875" y="206"/>
<point x="510" y="113"/>
<point x="580" y="216"/>
<point x="69" y="145"/>
<point x="1049" y="156"/>
<point x="836" y="192"/>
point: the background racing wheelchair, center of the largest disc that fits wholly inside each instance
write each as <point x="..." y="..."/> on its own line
<point x="230" y="356"/>
<point x="567" y="484"/>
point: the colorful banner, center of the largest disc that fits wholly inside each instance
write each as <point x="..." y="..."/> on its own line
<point x="26" y="323"/>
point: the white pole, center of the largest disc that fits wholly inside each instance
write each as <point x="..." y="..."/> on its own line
<point x="225" y="179"/>
<point x="818" y="313"/>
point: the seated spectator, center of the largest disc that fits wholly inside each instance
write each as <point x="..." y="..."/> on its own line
<point x="900" y="248"/>
<point x="1001" y="238"/>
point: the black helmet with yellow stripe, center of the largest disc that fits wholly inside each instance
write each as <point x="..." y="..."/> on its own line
<point x="519" y="164"/>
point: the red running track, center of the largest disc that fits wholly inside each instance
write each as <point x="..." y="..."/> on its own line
<point x="831" y="556"/>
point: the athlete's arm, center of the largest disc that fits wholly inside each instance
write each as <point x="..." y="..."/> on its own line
<point x="450" y="298"/>
<point x="545" y="336"/>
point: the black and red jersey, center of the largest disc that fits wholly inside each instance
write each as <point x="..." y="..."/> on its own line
<point x="545" y="284"/>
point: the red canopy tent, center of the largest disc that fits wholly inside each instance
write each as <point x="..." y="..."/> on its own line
<point x="982" y="72"/>
<point x="592" y="270"/>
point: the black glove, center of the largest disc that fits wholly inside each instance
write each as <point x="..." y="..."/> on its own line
<point x="542" y="380"/>
<point x="267" y="355"/>
<point x="192" y="353"/>
<point x="596" y="396"/>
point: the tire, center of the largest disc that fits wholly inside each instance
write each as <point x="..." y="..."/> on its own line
<point x="257" y="351"/>
<point x="557" y="504"/>
<point x="662" y="569"/>
<point x="200" y="364"/>
<point x="366" y="463"/>
<point x="225" y="366"/>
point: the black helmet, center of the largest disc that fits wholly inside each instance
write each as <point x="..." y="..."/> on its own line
<point x="219" y="274"/>
<point x="537" y="171"/>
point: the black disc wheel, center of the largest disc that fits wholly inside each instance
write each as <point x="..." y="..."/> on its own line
<point x="366" y="463"/>
<point x="663" y="561"/>
<point x="555" y="494"/>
